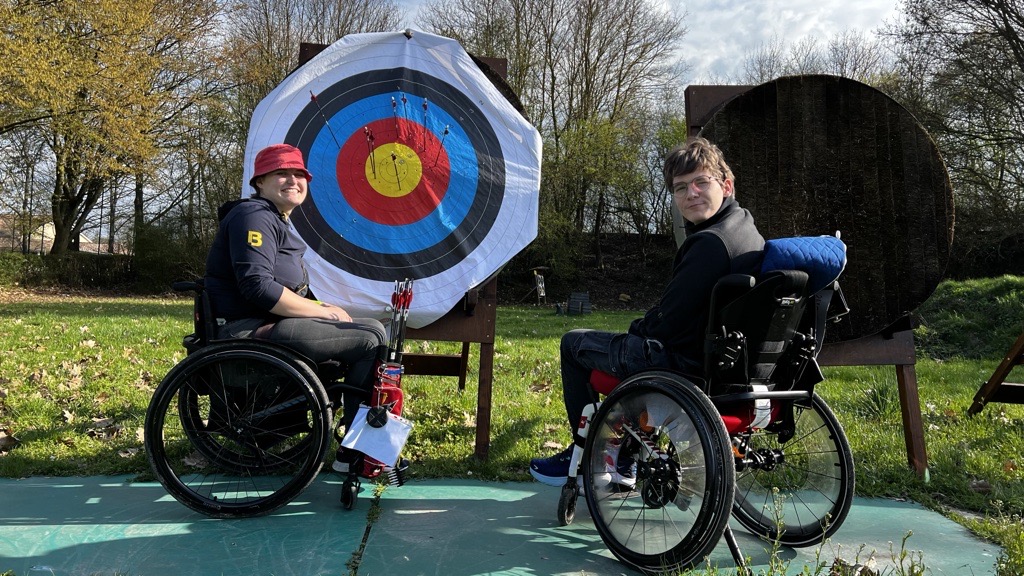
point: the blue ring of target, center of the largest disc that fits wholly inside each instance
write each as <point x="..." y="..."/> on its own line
<point x="384" y="238"/>
<point x="316" y="138"/>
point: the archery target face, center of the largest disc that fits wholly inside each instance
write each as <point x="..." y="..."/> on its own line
<point x="421" y="170"/>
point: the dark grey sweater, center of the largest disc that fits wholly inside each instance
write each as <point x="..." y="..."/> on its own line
<point x="727" y="243"/>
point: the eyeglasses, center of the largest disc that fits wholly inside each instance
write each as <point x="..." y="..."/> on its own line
<point x="700" y="183"/>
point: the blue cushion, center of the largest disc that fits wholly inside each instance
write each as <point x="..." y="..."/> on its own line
<point x="823" y="258"/>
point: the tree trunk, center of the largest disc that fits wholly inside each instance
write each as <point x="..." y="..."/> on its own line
<point x="598" y="224"/>
<point x="112" y="212"/>
<point x="138" y="222"/>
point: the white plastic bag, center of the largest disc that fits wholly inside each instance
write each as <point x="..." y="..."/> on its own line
<point x="384" y="443"/>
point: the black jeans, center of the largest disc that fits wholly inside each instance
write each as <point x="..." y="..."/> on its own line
<point x="356" y="345"/>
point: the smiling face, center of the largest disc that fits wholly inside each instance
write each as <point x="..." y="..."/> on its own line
<point x="700" y="194"/>
<point x="286" y="188"/>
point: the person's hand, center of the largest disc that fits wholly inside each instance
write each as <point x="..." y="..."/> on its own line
<point x="332" y="312"/>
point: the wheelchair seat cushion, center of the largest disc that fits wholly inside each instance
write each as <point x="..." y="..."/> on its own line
<point x="823" y="258"/>
<point x="602" y="382"/>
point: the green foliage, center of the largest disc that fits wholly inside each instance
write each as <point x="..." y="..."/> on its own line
<point x="164" y="254"/>
<point x="87" y="270"/>
<point x="12" y="267"/>
<point x="71" y="270"/>
<point x="972" y="318"/>
<point x="559" y="246"/>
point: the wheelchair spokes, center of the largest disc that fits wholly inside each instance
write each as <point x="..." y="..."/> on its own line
<point x="652" y="474"/>
<point x="805" y="484"/>
<point x="241" y="416"/>
<point x="238" y="429"/>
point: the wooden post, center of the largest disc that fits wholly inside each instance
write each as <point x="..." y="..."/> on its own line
<point x="473" y="322"/>
<point x="897" y="350"/>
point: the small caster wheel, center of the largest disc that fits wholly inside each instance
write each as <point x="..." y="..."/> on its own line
<point x="349" y="492"/>
<point x="567" y="503"/>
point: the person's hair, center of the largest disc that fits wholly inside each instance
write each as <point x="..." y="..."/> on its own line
<point x="695" y="154"/>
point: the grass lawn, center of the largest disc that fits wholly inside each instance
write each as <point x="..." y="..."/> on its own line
<point x="76" y="374"/>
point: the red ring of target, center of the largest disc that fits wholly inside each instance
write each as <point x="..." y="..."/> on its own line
<point x="394" y="172"/>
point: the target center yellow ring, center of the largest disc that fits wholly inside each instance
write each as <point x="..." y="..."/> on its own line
<point x="394" y="169"/>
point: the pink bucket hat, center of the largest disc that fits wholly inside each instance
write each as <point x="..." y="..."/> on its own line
<point x="277" y="157"/>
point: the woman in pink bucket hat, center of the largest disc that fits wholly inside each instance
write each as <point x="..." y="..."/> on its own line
<point x="258" y="285"/>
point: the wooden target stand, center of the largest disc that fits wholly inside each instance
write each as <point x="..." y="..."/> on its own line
<point x="997" y="389"/>
<point x="889" y="348"/>
<point x="816" y="154"/>
<point x="470" y="322"/>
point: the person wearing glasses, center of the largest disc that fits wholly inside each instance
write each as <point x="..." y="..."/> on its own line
<point x="258" y="286"/>
<point x="721" y="239"/>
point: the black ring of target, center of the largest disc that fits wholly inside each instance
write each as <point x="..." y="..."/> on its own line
<point x="458" y="244"/>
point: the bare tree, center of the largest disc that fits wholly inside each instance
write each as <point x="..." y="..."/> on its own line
<point x="854" y="55"/>
<point x="848" y="53"/>
<point x="766" y="62"/>
<point x="806" y="57"/>
<point x="590" y="73"/>
<point x="961" y="71"/>
<point x="26" y="202"/>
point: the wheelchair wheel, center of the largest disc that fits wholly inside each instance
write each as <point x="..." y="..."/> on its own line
<point x="238" y="429"/>
<point x="812" y="473"/>
<point x="567" y="502"/>
<point x="663" y="431"/>
<point x="350" y="491"/>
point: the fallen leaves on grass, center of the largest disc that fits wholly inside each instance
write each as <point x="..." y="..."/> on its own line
<point x="843" y="568"/>
<point x="7" y="441"/>
<point x="539" y="386"/>
<point x="195" y="460"/>
<point x="104" y="428"/>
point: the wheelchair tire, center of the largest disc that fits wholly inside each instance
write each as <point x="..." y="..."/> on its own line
<point x="815" y="480"/>
<point x="238" y="429"/>
<point x="350" y="492"/>
<point x="567" y="503"/>
<point x="667" y="433"/>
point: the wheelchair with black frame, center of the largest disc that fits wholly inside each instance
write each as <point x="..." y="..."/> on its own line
<point x="240" y="427"/>
<point x="751" y="437"/>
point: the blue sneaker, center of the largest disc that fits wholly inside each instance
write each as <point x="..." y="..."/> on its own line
<point x="554" y="470"/>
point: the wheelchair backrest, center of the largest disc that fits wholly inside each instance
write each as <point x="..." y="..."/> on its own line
<point x="766" y="330"/>
<point x="203" y="325"/>
<point x="823" y="258"/>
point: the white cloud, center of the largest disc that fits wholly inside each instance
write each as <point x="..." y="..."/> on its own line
<point x="722" y="32"/>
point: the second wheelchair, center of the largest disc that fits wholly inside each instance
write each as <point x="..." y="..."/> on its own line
<point x="667" y="457"/>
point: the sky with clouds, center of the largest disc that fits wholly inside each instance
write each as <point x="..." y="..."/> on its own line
<point x="721" y="32"/>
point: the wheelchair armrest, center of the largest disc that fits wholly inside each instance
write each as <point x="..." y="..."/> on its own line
<point x="735" y="281"/>
<point x="728" y="288"/>
<point x="187" y="286"/>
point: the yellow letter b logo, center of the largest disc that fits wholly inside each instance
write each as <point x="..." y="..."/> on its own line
<point x="255" y="239"/>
